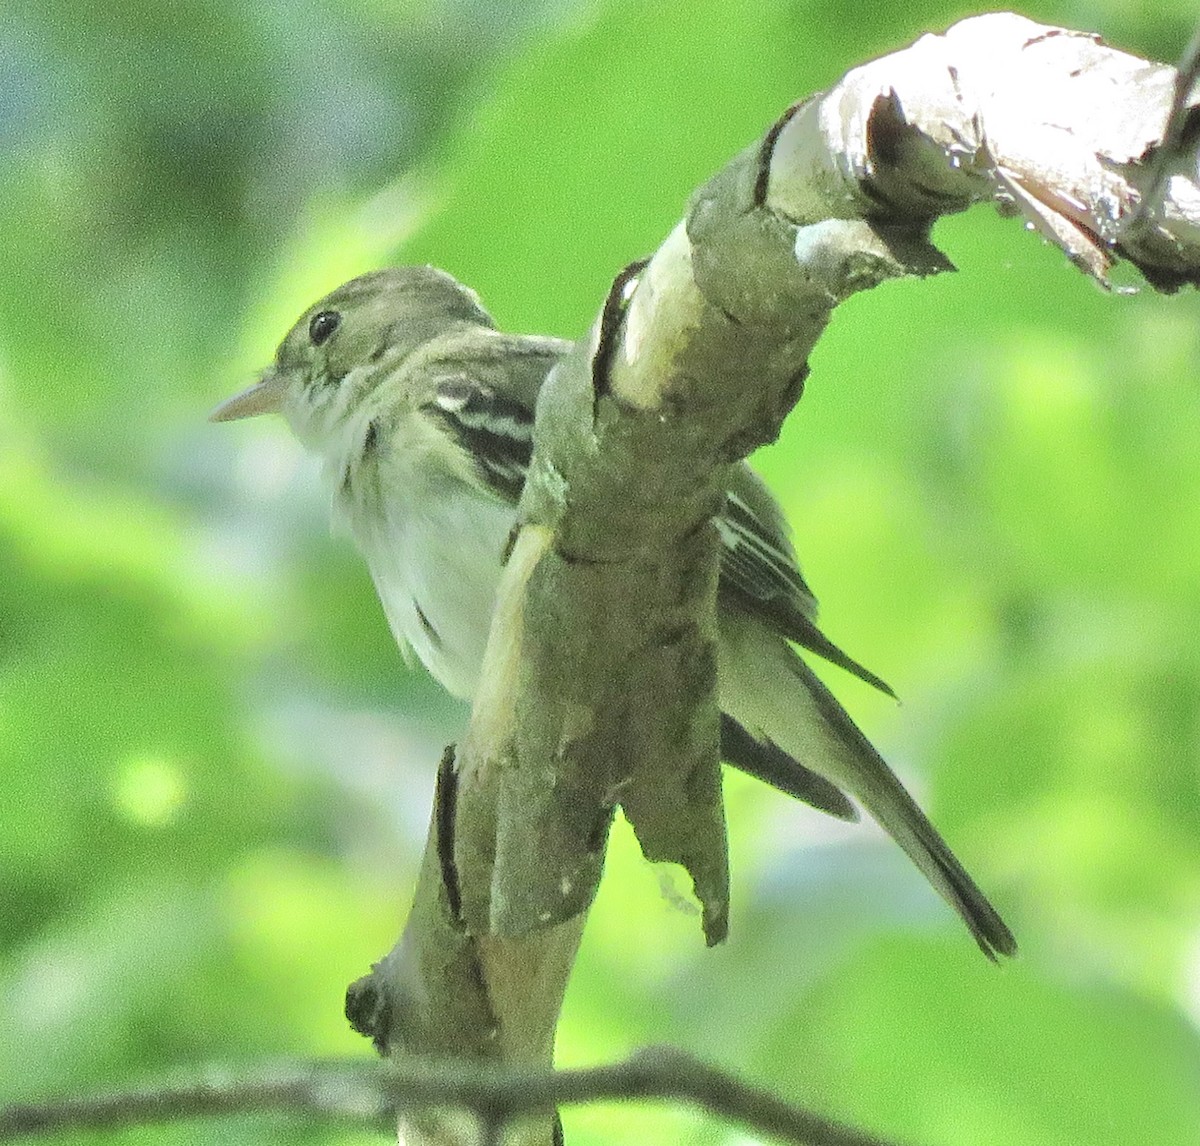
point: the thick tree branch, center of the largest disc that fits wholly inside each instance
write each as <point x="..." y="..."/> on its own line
<point x="368" y="1093"/>
<point x="600" y="672"/>
<point x="1048" y="122"/>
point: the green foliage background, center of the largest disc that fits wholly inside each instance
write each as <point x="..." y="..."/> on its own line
<point x="214" y="769"/>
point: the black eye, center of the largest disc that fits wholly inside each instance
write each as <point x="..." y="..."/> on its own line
<point x="322" y="325"/>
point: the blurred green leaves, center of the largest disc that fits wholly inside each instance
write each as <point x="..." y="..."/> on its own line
<point x="215" y="771"/>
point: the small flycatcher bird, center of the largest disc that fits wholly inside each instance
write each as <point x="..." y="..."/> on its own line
<point x="423" y="414"/>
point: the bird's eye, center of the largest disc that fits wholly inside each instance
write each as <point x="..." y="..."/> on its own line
<point x="322" y="325"/>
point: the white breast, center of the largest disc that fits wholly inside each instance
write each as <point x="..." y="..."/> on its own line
<point x="438" y="584"/>
<point x="434" y="545"/>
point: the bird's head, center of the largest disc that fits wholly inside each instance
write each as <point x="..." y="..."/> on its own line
<point x="341" y="347"/>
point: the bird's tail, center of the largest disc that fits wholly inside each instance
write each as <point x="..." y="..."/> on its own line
<point x="776" y="698"/>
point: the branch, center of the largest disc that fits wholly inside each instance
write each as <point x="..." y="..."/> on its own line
<point x="603" y="646"/>
<point x="368" y="1093"/>
<point x="600" y="670"/>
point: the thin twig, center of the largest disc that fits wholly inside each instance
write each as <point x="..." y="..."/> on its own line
<point x="1173" y="145"/>
<point x="364" y="1092"/>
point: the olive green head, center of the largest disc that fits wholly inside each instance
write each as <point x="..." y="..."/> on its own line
<point x="350" y="338"/>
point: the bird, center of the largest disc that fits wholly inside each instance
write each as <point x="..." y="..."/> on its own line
<point x="423" y="415"/>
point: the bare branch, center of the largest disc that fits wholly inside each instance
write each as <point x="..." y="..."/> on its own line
<point x="1176" y="149"/>
<point x="362" y="1092"/>
<point x="601" y="668"/>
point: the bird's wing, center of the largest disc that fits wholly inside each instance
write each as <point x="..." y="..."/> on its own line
<point x="486" y="399"/>
<point x="760" y="575"/>
<point x="485" y="393"/>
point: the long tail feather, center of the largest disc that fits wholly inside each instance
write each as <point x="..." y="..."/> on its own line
<point x="776" y="698"/>
<point x="768" y="762"/>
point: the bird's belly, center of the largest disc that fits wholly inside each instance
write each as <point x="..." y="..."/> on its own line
<point x="437" y="580"/>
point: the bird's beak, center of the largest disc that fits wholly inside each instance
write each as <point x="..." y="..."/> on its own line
<point x="264" y="397"/>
